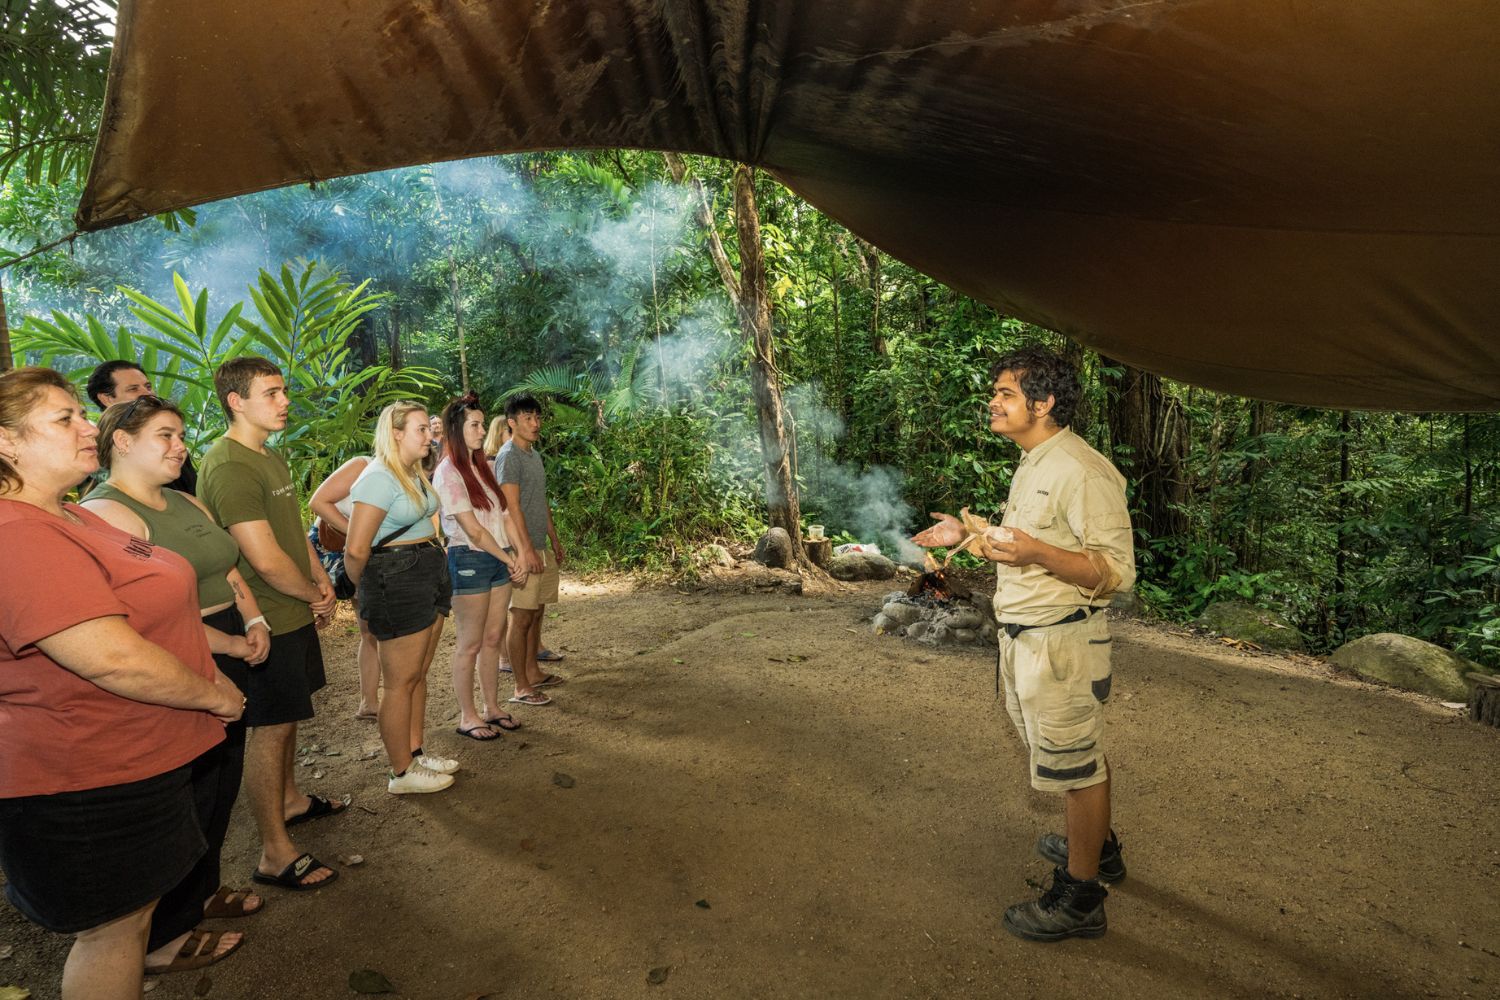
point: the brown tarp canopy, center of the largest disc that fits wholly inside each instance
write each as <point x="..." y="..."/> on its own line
<point x="1290" y="199"/>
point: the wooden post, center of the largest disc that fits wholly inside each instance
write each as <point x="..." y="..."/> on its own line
<point x="1484" y="702"/>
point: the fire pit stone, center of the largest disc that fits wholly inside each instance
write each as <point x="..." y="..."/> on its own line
<point x="933" y="619"/>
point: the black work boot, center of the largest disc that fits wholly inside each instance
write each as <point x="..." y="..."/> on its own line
<point x="1054" y="847"/>
<point x="1069" y="908"/>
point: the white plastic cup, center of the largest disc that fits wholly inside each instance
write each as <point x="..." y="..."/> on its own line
<point x="815" y="532"/>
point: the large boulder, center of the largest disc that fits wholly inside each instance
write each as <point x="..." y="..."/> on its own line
<point x="1404" y="662"/>
<point x="861" y="566"/>
<point x="774" y="549"/>
<point x="1238" y="620"/>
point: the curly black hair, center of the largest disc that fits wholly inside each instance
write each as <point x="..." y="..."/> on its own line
<point x="1043" y="372"/>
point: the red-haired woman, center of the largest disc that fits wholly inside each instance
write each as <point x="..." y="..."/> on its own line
<point x="481" y="563"/>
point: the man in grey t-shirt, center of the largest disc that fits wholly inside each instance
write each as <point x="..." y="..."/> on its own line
<point x="523" y="483"/>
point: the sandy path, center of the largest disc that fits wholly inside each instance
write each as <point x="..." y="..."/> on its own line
<point x="857" y="820"/>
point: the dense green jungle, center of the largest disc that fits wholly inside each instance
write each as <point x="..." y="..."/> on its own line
<point x="623" y="287"/>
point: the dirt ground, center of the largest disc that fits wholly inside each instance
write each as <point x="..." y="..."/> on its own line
<point x="770" y="801"/>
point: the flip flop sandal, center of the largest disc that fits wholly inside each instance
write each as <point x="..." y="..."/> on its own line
<point x="505" y="722"/>
<point x="534" y="698"/>
<point x="548" y="656"/>
<point x="505" y="668"/>
<point x="551" y="681"/>
<point x="367" y="716"/>
<point x="224" y="906"/>
<point x="472" y="733"/>
<point x="197" y="952"/>
<point x="292" y="875"/>
<point x="317" y="808"/>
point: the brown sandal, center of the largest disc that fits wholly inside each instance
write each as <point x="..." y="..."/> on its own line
<point x="197" y="952"/>
<point x="224" y="905"/>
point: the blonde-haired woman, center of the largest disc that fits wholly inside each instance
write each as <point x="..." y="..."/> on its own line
<point x="394" y="557"/>
<point x="495" y="437"/>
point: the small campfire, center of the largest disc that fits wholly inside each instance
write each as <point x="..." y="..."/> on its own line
<point x="934" y="587"/>
<point x="937" y="610"/>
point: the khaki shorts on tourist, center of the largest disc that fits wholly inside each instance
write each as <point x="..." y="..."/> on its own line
<point x="539" y="588"/>
<point x="1057" y="680"/>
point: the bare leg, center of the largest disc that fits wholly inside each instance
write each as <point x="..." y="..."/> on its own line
<point x="293" y="801"/>
<point x="419" y="694"/>
<point x="369" y="672"/>
<point x="490" y="648"/>
<point x="1088" y="826"/>
<point x="266" y="754"/>
<point x="401" y="671"/>
<point x="107" y="962"/>
<point x="523" y="648"/>
<point x="470" y="614"/>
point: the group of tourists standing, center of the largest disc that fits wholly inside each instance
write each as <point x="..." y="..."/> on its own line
<point x="127" y="720"/>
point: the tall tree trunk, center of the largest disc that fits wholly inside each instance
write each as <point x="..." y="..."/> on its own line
<point x="6" y="361"/>
<point x="877" y="289"/>
<point x="752" y="302"/>
<point x="458" y="318"/>
<point x="393" y="340"/>
<point x="1253" y="526"/>
<point x="1147" y="423"/>
<point x="765" y="379"/>
<point x="1341" y="552"/>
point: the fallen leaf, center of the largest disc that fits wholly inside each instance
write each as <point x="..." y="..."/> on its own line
<point x="747" y="635"/>
<point x="369" y="981"/>
<point x="347" y="798"/>
<point x="352" y="860"/>
<point x="150" y="985"/>
<point x="317" y="774"/>
<point x="14" y="993"/>
<point x="658" y="975"/>
<point x="544" y="866"/>
<point x="6" y="950"/>
<point x="702" y="904"/>
<point x="203" y="986"/>
<point x="562" y="780"/>
<point x="796" y="659"/>
<point x="676" y="659"/>
<point x="333" y="753"/>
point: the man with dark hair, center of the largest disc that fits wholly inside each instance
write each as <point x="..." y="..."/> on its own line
<point x="523" y="480"/>
<point x="1063" y="547"/>
<point x="120" y="382"/>
<point x="249" y="489"/>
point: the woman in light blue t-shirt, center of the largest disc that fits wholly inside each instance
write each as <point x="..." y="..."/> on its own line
<point x="400" y="569"/>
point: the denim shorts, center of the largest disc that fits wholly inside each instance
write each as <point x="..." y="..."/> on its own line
<point x="475" y="571"/>
<point x="404" y="589"/>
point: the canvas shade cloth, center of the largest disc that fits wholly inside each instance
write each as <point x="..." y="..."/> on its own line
<point x="1289" y="199"/>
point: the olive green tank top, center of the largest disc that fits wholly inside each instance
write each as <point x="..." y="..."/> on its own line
<point x="184" y="529"/>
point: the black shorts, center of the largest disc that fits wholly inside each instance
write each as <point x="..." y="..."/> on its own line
<point x="404" y="589"/>
<point x="76" y="860"/>
<point x="280" y="690"/>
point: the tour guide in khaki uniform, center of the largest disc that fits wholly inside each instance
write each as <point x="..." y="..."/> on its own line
<point x="1069" y="549"/>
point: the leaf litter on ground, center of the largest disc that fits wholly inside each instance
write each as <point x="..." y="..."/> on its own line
<point x="658" y="975"/>
<point x="562" y="780"/>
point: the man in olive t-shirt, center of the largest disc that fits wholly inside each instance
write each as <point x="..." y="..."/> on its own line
<point x="249" y="488"/>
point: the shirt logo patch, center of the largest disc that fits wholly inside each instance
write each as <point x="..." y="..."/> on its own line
<point x="140" y="548"/>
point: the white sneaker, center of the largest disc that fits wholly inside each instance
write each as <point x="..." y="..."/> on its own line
<point x="441" y="765"/>
<point x="417" y="780"/>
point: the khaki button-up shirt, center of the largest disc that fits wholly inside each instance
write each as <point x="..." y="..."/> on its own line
<point x="1065" y="494"/>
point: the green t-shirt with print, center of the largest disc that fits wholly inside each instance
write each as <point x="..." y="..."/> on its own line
<point x="241" y="485"/>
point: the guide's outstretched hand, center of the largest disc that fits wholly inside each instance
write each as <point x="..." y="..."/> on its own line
<point x="946" y="533"/>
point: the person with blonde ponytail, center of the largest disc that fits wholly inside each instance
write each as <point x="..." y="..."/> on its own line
<point x="403" y="591"/>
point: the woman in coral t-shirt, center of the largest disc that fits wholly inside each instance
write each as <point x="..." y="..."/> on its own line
<point x="108" y="693"/>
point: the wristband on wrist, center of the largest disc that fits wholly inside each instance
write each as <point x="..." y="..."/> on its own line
<point x="257" y="620"/>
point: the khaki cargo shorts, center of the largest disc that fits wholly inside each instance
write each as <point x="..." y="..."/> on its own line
<point x="539" y="588"/>
<point x="1056" y="684"/>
